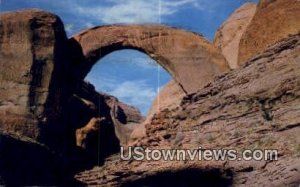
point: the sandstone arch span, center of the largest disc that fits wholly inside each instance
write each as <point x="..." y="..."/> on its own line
<point x="188" y="57"/>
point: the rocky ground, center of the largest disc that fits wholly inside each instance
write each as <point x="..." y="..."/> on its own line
<point x="255" y="107"/>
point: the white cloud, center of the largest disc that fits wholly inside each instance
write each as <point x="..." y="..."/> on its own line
<point x="89" y="24"/>
<point x="140" y="61"/>
<point x="69" y="28"/>
<point x="136" y="93"/>
<point x="103" y="84"/>
<point x="146" y="63"/>
<point x="133" y="11"/>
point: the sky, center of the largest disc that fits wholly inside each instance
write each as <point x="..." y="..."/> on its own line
<point x="130" y="75"/>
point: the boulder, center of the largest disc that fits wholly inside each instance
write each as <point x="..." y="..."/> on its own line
<point x="273" y="21"/>
<point x="228" y="36"/>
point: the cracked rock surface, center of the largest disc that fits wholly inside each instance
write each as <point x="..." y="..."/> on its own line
<point x="254" y="107"/>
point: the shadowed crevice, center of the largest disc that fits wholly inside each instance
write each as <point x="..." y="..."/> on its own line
<point x="192" y="177"/>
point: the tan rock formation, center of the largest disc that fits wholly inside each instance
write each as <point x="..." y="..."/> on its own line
<point x="82" y="134"/>
<point x="273" y="21"/>
<point x="96" y="118"/>
<point x="228" y="36"/>
<point x="123" y="131"/>
<point x="86" y="97"/>
<point x="169" y="97"/>
<point x="32" y="100"/>
<point x="30" y="45"/>
<point x="176" y="50"/>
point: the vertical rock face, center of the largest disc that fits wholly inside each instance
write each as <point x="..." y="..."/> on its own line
<point x="228" y="36"/>
<point x="30" y="45"/>
<point x="273" y="21"/>
<point x="92" y="124"/>
<point x="99" y="104"/>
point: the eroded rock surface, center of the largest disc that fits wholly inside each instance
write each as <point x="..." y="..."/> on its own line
<point x="169" y="97"/>
<point x="31" y="47"/>
<point x="93" y="126"/>
<point x="254" y="107"/>
<point x="94" y="118"/>
<point x="273" y="21"/>
<point x="228" y="36"/>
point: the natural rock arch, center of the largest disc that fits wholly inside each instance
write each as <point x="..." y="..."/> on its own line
<point x="187" y="56"/>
